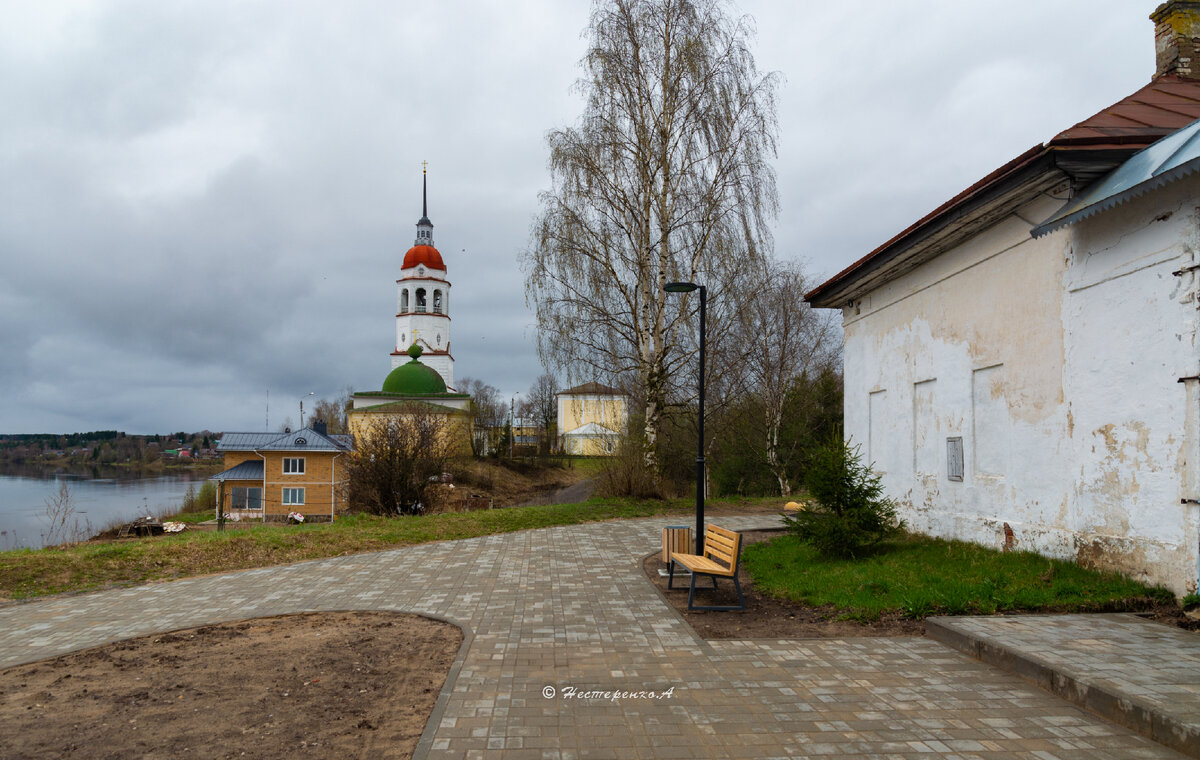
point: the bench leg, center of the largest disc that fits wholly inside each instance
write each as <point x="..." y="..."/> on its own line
<point x="741" y="599"/>
<point x="670" y="573"/>
<point x="736" y="584"/>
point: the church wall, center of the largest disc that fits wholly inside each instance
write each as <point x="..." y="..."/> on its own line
<point x="456" y="430"/>
<point x="1025" y="393"/>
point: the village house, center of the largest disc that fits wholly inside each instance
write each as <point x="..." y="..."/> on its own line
<point x="1021" y="364"/>
<point x="591" y="419"/>
<point x="267" y="476"/>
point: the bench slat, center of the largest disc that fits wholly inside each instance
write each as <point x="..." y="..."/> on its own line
<point x="701" y="564"/>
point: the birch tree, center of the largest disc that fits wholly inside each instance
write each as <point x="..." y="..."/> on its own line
<point x="788" y="343"/>
<point x="665" y="177"/>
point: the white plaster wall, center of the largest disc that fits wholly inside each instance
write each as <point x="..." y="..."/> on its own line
<point x="1056" y="361"/>
<point x="1132" y="326"/>
<point x="427" y="327"/>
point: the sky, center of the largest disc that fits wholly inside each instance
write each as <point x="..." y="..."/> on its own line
<point x="204" y="204"/>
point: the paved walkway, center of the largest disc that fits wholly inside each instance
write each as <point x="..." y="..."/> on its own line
<point x="1137" y="673"/>
<point x="536" y="621"/>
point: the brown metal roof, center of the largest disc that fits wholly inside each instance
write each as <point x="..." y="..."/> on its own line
<point x="1161" y="107"/>
<point x="590" y="389"/>
<point x="1084" y="152"/>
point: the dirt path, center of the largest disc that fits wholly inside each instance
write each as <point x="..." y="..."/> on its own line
<point x="572" y="494"/>
<point x="344" y="685"/>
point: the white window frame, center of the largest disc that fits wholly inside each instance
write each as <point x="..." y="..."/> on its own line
<point x="290" y="465"/>
<point x="251" y="500"/>
<point x="290" y="496"/>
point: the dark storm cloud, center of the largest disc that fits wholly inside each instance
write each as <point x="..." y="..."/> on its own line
<point x="203" y="202"/>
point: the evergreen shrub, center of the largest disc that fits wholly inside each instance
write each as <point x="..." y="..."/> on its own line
<point x="848" y="515"/>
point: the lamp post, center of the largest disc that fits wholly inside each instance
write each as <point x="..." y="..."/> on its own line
<point x="688" y="287"/>
<point x="512" y="430"/>
<point x="310" y="393"/>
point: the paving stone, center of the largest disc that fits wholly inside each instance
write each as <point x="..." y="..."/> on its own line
<point x="569" y="608"/>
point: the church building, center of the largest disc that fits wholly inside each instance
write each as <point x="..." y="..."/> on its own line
<point x="423" y="301"/>
<point x="420" y="382"/>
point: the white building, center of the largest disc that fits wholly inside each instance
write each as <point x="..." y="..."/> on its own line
<point x="423" y="301"/>
<point x="1044" y="392"/>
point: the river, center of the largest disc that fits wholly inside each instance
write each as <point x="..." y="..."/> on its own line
<point x="98" y="501"/>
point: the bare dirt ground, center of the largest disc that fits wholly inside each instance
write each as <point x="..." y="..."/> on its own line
<point x="769" y="618"/>
<point x="345" y="685"/>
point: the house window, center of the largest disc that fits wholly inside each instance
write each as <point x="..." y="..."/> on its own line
<point x="293" y="465"/>
<point x="293" y="497"/>
<point x="246" y="498"/>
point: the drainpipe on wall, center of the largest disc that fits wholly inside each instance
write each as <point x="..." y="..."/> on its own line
<point x="333" y="488"/>
<point x="263" y="504"/>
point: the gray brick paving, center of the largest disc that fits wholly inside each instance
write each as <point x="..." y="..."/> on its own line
<point x="1133" y="671"/>
<point x="569" y="608"/>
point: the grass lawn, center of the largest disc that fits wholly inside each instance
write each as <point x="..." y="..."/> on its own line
<point x="36" y="572"/>
<point x="918" y="576"/>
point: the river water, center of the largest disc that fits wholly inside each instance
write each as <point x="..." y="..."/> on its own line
<point x="98" y="502"/>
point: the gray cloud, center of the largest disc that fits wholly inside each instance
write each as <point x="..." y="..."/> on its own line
<point x="203" y="201"/>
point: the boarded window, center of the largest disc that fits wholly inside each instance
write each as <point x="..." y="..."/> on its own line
<point x="925" y="438"/>
<point x="954" y="458"/>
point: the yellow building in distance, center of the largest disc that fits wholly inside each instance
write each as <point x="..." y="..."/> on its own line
<point x="591" y="419"/>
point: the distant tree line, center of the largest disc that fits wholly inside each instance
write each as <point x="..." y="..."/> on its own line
<point x="102" y="447"/>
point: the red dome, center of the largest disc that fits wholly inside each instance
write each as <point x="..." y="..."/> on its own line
<point x="423" y="254"/>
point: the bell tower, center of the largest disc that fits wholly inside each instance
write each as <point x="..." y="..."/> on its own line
<point x="423" y="299"/>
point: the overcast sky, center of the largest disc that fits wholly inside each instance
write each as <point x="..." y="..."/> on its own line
<point x="203" y="202"/>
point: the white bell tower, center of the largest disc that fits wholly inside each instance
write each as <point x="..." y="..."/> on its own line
<point x="423" y="300"/>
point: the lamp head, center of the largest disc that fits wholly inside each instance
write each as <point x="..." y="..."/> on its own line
<point x="680" y="287"/>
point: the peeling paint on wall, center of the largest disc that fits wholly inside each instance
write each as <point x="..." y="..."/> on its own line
<point x="1057" y="362"/>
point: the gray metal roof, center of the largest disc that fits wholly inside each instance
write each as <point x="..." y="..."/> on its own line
<point x="251" y="470"/>
<point x="1173" y="157"/>
<point x="297" y="440"/>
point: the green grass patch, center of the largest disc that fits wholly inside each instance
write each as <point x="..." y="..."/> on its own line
<point x="918" y="576"/>
<point x="28" y="573"/>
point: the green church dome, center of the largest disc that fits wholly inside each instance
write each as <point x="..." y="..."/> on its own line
<point x="414" y="378"/>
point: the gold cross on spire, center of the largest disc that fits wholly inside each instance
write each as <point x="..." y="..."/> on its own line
<point x="424" y="167"/>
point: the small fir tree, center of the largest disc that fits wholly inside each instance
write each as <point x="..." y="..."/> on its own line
<point x="849" y="515"/>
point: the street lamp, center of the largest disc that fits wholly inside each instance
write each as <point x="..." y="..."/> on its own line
<point x="512" y="430"/>
<point x="688" y="287"/>
<point x="310" y="393"/>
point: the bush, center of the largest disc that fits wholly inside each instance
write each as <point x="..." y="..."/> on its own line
<point x="625" y="473"/>
<point x="849" y="514"/>
<point x="398" y="462"/>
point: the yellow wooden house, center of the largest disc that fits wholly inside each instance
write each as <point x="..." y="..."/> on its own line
<point x="268" y="476"/>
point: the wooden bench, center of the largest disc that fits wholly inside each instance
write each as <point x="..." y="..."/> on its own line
<point x="720" y="546"/>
